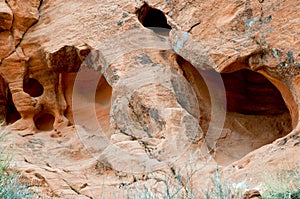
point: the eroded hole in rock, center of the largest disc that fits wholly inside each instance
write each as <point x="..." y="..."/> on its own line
<point x="33" y="87"/>
<point x="251" y="93"/>
<point x="98" y="102"/>
<point x="12" y="114"/>
<point x="256" y="115"/>
<point x="154" y="19"/>
<point x="3" y="100"/>
<point x="256" y="112"/>
<point x="44" y="121"/>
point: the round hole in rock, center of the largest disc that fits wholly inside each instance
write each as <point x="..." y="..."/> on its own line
<point x="44" y="121"/>
<point x="154" y="19"/>
<point x="256" y="112"/>
<point x="33" y="87"/>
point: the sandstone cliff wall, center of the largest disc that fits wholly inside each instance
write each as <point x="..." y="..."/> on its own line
<point x="136" y="86"/>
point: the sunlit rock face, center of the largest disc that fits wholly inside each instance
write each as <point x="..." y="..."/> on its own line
<point x="123" y="92"/>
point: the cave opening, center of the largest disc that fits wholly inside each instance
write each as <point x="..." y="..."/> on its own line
<point x="256" y="113"/>
<point x="33" y="87"/>
<point x="250" y="93"/>
<point x="153" y="19"/>
<point x="44" y="121"/>
<point x="3" y="100"/>
<point x="12" y="114"/>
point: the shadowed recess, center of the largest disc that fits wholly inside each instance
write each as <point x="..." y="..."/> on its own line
<point x="153" y="18"/>
<point x="33" y="87"/>
<point x="44" y="121"/>
<point x="3" y="99"/>
<point x="251" y="93"/>
<point x="256" y="113"/>
<point x="12" y="114"/>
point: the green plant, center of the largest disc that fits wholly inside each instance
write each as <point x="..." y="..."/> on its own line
<point x="282" y="184"/>
<point x="10" y="187"/>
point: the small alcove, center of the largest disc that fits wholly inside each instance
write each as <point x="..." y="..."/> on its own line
<point x="33" y="87"/>
<point x="44" y="121"/>
<point x="153" y="19"/>
<point x="12" y="114"/>
<point x="256" y="113"/>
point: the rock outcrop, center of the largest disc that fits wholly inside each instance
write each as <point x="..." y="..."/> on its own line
<point x="98" y="97"/>
<point x="254" y="194"/>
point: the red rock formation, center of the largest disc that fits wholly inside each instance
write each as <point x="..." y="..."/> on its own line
<point x="99" y="97"/>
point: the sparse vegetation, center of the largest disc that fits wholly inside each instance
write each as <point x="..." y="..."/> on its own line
<point x="280" y="184"/>
<point x="221" y="189"/>
<point x="183" y="188"/>
<point x="284" y="184"/>
<point x="10" y="187"/>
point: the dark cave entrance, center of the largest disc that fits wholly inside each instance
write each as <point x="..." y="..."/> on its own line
<point x="3" y="100"/>
<point x="256" y="113"/>
<point x="12" y="114"/>
<point x="250" y="93"/>
<point x="33" y="87"/>
<point x="153" y="19"/>
<point x="8" y="111"/>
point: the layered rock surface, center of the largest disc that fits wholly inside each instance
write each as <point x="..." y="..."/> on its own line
<point x="95" y="102"/>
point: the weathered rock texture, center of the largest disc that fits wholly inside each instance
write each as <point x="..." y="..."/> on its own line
<point x="101" y="97"/>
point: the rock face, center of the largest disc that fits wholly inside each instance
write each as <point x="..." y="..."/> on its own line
<point x="254" y="194"/>
<point x="122" y="92"/>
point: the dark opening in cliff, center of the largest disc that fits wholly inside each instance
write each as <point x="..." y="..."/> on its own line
<point x="44" y="121"/>
<point x="256" y="113"/>
<point x="12" y="114"/>
<point x="154" y="19"/>
<point x="3" y="100"/>
<point x="33" y="87"/>
<point x="251" y="93"/>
